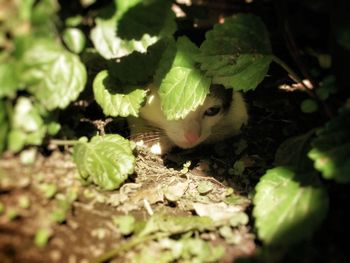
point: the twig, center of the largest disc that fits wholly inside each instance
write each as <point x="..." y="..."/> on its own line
<point x="59" y="142"/>
<point x="295" y="53"/>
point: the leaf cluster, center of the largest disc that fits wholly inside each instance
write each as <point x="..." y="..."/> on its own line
<point x="47" y="61"/>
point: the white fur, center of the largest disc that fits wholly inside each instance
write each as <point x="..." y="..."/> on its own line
<point x="208" y="129"/>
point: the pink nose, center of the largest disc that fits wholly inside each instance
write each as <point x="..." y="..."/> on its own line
<point x="191" y="138"/>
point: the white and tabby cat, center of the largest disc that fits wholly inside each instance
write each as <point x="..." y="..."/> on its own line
<point x="222" y="115"/>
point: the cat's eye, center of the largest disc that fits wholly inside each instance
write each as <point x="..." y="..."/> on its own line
<point x="212" y="111"/>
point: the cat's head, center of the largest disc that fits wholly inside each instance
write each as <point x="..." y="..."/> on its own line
<point x="197" y="126"/>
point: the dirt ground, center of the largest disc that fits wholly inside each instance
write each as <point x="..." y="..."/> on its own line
<point x="48" y="214"/>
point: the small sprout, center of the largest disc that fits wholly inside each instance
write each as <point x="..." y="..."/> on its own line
<point x="240" y="218"/>
<point x="229" y="191"/>
<point x="42" y="237"/>
<point x="48" y="190"/>
<point x="39" y="177"/>
<point x="74" y="20"/>
<point x="12" y="214"/>
<point x="225" y="231"/>
<point x="71" y="195"/>
<point x="204" y="187"/>
<point x="238" y="168"/>
<point x="59" y="215"/>
<point x="237" y="200"/>
<point x="229" y="235"/>
<point x="88" y="193"/>
<point x="125" y="224"/>
<point x="64" y="203"/>
<point x="74" y="39"/>
<point x="185" y="168"/>
<point x="309" y="106"/>
<point x="24" y="202"/>
<point x="2" y="208"/>
<point x="27" y="157"/>
<point x="53" y="128"/>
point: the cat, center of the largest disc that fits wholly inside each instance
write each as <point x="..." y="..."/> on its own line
<point x="222" y="115"/>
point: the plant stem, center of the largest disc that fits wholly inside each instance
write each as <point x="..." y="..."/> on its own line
<point x="63" y="142"/>
<point x="294" y="76"/>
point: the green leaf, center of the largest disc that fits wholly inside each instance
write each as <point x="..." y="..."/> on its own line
<point x="288" y="207"/>
<point x="27" y="125"/>
<point x="75" y="40"/>
<point x="24" y="202"/>
<point x="56" y="77"/>
<point x="237" y="53"/>
<point x="134" y="26"/>
<point x="48" y="190"/>
<point x="342" y="35"/>
<point x="152" y="17"/>
<point x="137" y="67"/>
<point x="331" y="148"/>
<point x="183" y="88"/>
<point x="74" y="21"/>
<point x="9" y="78"/>
<point x="176" y="224"/>
<point x="293" y="153"/>
<point x="4" y="126"/>
<point x="43" y="18"/>
<point x="16" y="140"/>
<point x="125" y="224"/>
<point x="42" y="237"/>
<point x="113" y="101"/>
<point x="105" y="161"/>
<point x="309" y="106"/>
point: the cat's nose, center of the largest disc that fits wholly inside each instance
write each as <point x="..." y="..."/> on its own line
<point x="191" y="138"/>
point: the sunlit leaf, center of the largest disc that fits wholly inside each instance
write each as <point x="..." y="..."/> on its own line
<point x="4" y="126"/>
<point x="176" y="224"/>
<point x="183" y="88"/>
<point x="105" y="161"/>
<point x="55" y="76"/>
<point x="331" y="148"/>
<point x="134" y="26"/>
<point x="9" y="78"/>
<point x="113" y="101"/>
<point x="27" y="125"/>
<point x="125" y="224"/>
<point x="75" y="40"/>
<point x="237" y="53"/>
<point x="42" y="237"/>
<point x="288" y="207"/>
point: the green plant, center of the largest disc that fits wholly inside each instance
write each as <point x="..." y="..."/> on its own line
<point x="47" y="62"/>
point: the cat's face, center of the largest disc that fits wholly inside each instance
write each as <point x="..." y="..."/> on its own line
<point x="197" y="126"/>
